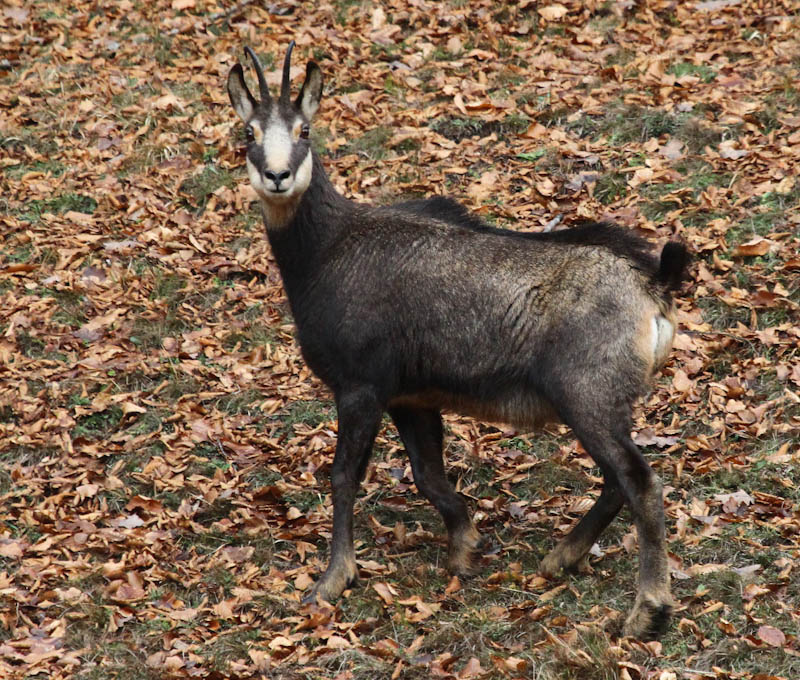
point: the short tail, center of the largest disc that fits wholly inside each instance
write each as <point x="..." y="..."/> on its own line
<point x="673" y="265"/>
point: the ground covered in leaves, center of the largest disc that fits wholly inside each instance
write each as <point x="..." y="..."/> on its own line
<point x="164" y="496"/>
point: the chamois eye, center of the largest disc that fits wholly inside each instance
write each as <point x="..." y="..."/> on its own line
<point x="304" y="131"/>
<point x="248" y="133"/>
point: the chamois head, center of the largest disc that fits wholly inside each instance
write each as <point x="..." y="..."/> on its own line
<point x="279" y="161"/>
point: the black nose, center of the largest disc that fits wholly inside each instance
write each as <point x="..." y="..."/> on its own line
<point x="277" y="178"/>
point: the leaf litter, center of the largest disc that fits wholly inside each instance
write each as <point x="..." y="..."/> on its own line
<point x="165" y="451"/>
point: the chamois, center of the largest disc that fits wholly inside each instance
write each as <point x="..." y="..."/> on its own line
<point x="421" y="307"/>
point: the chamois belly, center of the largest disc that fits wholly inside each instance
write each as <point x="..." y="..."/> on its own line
<point x="523" y="409"/>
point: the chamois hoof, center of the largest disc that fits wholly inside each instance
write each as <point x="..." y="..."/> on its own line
<point x="466" y="547"/>
<point x="330" y="586"/>
<point x="562" y="559"/>
<point x="648" y="620"/>
<point x="551" y="566"/>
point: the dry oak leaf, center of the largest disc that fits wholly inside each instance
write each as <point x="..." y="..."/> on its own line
<point x="727" y="150"/>
<point x="10" y="547"/>
<point x="385" y="591"/>
<point x="302" y="581"/>
<point x="546" y="187"/>
<point x="86" y="491"/>
<point x="260" y="658"/>
<point x="681" y="382"/>
<point x="186" y="614"/>
<point x="515" y="664"/>
<point x="640" y="176"/>
<point x="484" y="187"/>
<point x="647" y="437"/>
<point x="552" y="12"/>
<point x="712" y="5"/>
<point x="132" y="521"/>
<point x="673" y="149"/>
<point x="337" y="642"/>
<point x="224" y="608"/>
<point x="280" y="641"/>
<point x="772" y="636"/>
<point x="785" y="186"/>
<point x="131" y="591"/>
<point x="472" y="669"/>
<point x="731" y="502"/>
<point x="755" y="247"/>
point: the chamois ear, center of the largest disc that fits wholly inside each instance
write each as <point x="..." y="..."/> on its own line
<point x="308" y="99"/>
<point x="243" y="102"/>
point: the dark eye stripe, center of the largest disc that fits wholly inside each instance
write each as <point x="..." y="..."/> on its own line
<point x="299" y="152"/>
<point x="256" y="155"/>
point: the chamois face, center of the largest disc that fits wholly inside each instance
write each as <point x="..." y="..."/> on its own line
<point x="279" y="161"/>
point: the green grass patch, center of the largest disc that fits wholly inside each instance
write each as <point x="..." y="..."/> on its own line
<point x="623" y="124"/>
<point x="686" y="68"/>
<point x="373" y="144"/>
<point x="98" y="425"/>
<point x="149" y="333"/>
<point x="71" y="305"/>
<point x="31" y="346"/>
<point x="53" y="168"/>
<point x="533" y="156"/>
<point x="754" y="225"/>
<point x="167" y="286"/>
<point x="16" y="141"/>
<point x="240" y="402"/>
<point x="456" y="129"/>
<point x="309" y="412"/>
<point x="34" y="209"/>
<point x="198" y="188"/>
<point x="251" y="331"/>
<point x="610" y="186"/>
<point x="227" y="647"/>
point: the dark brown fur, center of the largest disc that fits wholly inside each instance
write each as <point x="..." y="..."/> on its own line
<point x="422" y="307"/>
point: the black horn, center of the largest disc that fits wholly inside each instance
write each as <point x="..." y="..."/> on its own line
<point x="285" y="87"/>
<point x="263" y="89"/>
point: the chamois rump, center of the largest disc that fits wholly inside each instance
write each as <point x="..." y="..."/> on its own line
<point x="421" y="307"/>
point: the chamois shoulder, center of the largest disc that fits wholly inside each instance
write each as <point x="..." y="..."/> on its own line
<point x="443" y="209"/>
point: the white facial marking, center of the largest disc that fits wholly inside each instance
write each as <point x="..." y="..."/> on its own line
<point x="277" y="144"/>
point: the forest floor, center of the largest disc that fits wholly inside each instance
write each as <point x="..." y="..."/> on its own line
<point x="165" y="452"/>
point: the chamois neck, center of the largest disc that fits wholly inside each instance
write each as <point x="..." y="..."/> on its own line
<point x="306" y="234"/>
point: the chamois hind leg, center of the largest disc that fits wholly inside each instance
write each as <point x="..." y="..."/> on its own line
<point x="421" y="432"/>
<point x="570" y="550"/>
<point x="359" y="417"/>
<point x="606" y="437"/>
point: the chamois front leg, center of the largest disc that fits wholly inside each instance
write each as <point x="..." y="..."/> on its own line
<point x="359" y="418"/>
<point x="421" y="432"/>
